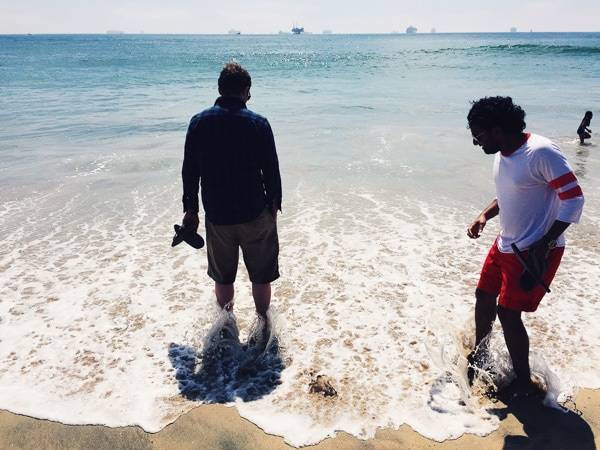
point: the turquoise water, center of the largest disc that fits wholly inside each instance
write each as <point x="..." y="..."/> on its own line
<point x="85" y="96"/>
<point x="380" y="180"/>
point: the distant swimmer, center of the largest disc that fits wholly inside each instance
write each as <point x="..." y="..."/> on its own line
<point x="230" y="151"/>
<point x="537" y="198"/>
<point x="584" y="132"/>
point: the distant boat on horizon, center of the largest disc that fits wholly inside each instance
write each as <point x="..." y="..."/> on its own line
<point x="327" y="32"/>
<point x="115" y="32"/>
<point x="236" y="32"/>
<point x="297" y="30"/>
<point x="513" y="29"/>
<point x="411" y="30"/>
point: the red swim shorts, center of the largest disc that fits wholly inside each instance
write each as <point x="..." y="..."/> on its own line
<point x="501" y="273"/>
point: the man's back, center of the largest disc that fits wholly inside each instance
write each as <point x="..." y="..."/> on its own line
<point x="233" y="152"/>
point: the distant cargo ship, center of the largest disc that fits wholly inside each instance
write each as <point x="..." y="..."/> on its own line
<point x="234" y="32"/>
<point x="115" y="32"/>
<point x="411" y="30"/>
<point x="297" y="30"/>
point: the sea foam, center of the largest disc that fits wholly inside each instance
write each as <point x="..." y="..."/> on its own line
<point x="103" y="323"/>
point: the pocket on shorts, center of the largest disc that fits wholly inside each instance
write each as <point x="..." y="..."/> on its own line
<point x="267" y="217"/>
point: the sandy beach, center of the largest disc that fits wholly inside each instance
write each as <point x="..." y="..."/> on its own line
<point x="103" y="322"/>
<point x="524" y="425"/>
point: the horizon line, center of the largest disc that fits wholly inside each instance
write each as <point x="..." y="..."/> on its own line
<point x="281" y="32"/>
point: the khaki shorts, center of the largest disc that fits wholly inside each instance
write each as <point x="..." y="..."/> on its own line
<point x="260" y="249"/>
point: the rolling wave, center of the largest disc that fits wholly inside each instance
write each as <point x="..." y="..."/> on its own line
<point x="537" y="49"/>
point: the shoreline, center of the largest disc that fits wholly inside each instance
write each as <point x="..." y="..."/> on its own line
<point x="523" y="425"/>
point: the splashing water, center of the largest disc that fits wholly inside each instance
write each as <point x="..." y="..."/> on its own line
<point x="494" y="371"/>
<point x="223" y="369"/>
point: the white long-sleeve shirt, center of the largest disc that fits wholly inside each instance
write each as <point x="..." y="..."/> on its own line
<point x="534" y="187"/>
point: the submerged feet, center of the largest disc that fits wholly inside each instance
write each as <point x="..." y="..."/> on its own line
<point x="519" y="388"/>
<point x="230" y="331"/>
<point x="261" y="333"/>
<point x="472" y="367"/>
<point x="525" y="388"/>
<point x="477" y="360"/>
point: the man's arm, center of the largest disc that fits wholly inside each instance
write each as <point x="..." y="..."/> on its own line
<point x="557" y="228"/>
<point x="552" y="168"/>
<point x="475" y="229"/>
<point x="190" y="174"/>
<point x="539" y="251"/>
<point x="270" y="171"/>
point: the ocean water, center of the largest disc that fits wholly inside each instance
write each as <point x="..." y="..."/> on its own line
<point x="102" y="322"/>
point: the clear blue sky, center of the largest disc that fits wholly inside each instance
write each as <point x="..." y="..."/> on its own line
<point x="269" y="16"/>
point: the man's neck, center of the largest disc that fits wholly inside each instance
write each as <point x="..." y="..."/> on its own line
<point x="513" y="142"/>
<point x="234" y="97"/>
<point x="229" y="101"/>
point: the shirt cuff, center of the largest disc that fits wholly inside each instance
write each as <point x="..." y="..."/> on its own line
<point x="190" y="204"/>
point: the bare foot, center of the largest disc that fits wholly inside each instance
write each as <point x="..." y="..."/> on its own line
<point x="476" y="359"/>
<point x="262" y="333"/>
<point x="525" y="389"/>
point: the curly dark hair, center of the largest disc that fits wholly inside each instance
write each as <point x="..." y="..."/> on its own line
<point x="489" y="112"/>
<point x="233" y="79"/>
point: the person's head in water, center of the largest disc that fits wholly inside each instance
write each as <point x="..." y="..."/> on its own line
<point x="235" y="81"/>
<point x="496" y="123"/>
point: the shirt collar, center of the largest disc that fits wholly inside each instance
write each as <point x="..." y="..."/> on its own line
<point x="230" y="103"/>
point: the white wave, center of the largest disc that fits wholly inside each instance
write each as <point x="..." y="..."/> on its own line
<point x="376" y="293"/>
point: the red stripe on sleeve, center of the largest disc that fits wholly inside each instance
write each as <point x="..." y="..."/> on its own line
<point x="575" y="192"/>
<point x="563" y="180"/>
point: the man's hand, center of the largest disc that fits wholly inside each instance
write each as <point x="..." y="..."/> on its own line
<point x="274" y="212"/>
<point x="538" y="255"/>
<point x="191" y="221"/>
<point x="537" y="260"/>
<point x="474" y="230"/>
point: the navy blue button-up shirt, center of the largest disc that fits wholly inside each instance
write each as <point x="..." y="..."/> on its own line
<point x="230" y="150"/>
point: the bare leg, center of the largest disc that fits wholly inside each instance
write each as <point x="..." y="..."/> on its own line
<point x="517" y="342"/>
<point x="262" y="298"/>
<point x="485" y="315"/>
<point x="224" y="293"/>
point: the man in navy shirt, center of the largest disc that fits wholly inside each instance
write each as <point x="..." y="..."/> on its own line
<point x="230" y="151"/>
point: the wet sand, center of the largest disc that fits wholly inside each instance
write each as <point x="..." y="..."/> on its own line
<point x="524" y="425"/>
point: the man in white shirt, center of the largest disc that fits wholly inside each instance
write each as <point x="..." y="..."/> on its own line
<point x="537" y="198"/>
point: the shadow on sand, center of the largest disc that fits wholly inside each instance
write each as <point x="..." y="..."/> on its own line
<point x="226" y="369"/>
<point x="545" y="428"/>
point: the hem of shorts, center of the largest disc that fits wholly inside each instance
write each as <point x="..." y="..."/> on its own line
<point x="487" y="291"/>
<point x="216" y="280"/>
<point x="527" y="310"/>
<point x="268" y="280"/>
